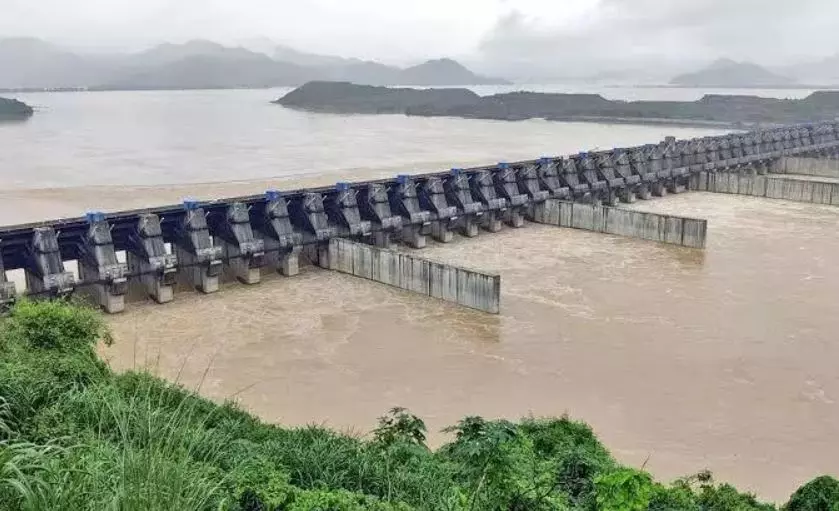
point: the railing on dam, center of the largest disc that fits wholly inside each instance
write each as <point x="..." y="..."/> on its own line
<point x="241" y="235"/>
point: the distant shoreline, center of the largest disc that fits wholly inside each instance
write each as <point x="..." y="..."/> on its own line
<point x="711" y="111"/>
<point x="681" y="123"/>
<point x="733" y="87"/>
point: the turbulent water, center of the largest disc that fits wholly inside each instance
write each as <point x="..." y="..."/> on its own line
<point x="722" y="359"/>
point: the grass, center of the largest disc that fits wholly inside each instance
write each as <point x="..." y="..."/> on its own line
<point x="76" y="436"/>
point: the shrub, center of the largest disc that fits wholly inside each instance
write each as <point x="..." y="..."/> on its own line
<point x="820" y="494"/>
<point x="624" y="489"/>
<point x="55" y="325"/>
<point x="399" y="425"/>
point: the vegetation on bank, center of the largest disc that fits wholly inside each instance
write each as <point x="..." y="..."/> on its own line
<point x="76" y="436"/>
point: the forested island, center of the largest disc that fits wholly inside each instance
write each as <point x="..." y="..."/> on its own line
<point x="75" y="435"/>
<point x="13" y="110"/>
<point x="711" y="110"/>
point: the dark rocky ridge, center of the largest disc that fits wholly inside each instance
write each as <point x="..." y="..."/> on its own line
<point x="710" y="110"/>
<point x="347" y="98"/>
<point x="12" y="109"/>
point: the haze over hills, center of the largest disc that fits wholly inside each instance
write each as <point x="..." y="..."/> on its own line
<point x="824" y="71"/>
<point x="35" y="64"/>
<point x="32" y="63"/>
<point x="728" y="73"/>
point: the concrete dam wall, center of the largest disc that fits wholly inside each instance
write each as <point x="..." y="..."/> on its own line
<point x="473" y="289"/>
<point x="768" y="186"/>
<point x="804" y="166"/>
<point x="674" y="230"/>
<point x="198" y="241"/>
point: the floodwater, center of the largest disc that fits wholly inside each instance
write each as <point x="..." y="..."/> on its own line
<point x="686" y="360"/>
<point x="721" y="359"/>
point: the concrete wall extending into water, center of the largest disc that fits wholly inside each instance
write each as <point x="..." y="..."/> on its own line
<point x="477" y="290"/>
<point x="769" y="186"/>
<point x="686" y="232"/>
<point x="806" y="166"/>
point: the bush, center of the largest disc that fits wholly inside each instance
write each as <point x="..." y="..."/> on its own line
<point x="56" y="325"/>
<point x="820" y="494"/>
<point x="624" y="489"/>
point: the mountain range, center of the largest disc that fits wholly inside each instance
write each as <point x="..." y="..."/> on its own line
<point x="28" y="63"/>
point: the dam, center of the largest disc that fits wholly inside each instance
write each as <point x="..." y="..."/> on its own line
<point x="351" y="227"/>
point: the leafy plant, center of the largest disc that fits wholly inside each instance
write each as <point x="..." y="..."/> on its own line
<point x="624" y="489"/>
<point x="820" y="494"/>
<point x="399" y="425"/>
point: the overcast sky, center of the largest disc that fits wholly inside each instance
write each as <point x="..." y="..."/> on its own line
<point x="542" y="34"/>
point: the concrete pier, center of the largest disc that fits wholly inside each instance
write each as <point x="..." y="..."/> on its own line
<point x="45" y="273"/>
<point x="243" y="253"/>
<point x="199" y="256"/>
<point x="405" y="202"/>
<point x="98" y="265"/>
<point x="476" y="290"/>
<point x="147" y="257"/>
<point x="8" y="290"/>
<point x="282" y="245"/>
<point x="685" y="232"/>
<point x="770" y="186"/>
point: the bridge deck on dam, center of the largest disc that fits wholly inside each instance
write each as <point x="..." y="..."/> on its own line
<point x="690" y="358"/>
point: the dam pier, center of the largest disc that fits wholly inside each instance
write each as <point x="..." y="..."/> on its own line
<point x="351" y="227"/>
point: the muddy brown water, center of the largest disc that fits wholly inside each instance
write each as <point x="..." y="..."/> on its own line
<point x="723" y="359"/>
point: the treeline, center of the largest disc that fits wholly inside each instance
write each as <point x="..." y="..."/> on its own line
<point x="74" y="435"/>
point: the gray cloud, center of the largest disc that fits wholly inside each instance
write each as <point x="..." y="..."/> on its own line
<point x="364" y="28"/>
<point x="518" y="38"/>
<point x="668" y="34"/>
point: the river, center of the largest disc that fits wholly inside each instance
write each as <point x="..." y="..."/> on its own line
<point x="722" y="359"/>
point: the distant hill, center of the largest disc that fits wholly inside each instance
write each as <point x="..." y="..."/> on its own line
<point x="824" y="71"/>
<point x="301" y="58"/>
<point x="12" y="109"/>
<point x="444" y="72"/>
<point x="728" y="73"/>
<point x="168" y="53"/>
<point x="365" y="73"/>
<point x="199" y="64"/>
<point x="343" y="97"/>
<point x="32" y="63"/>
<point x="205" y="65"/>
